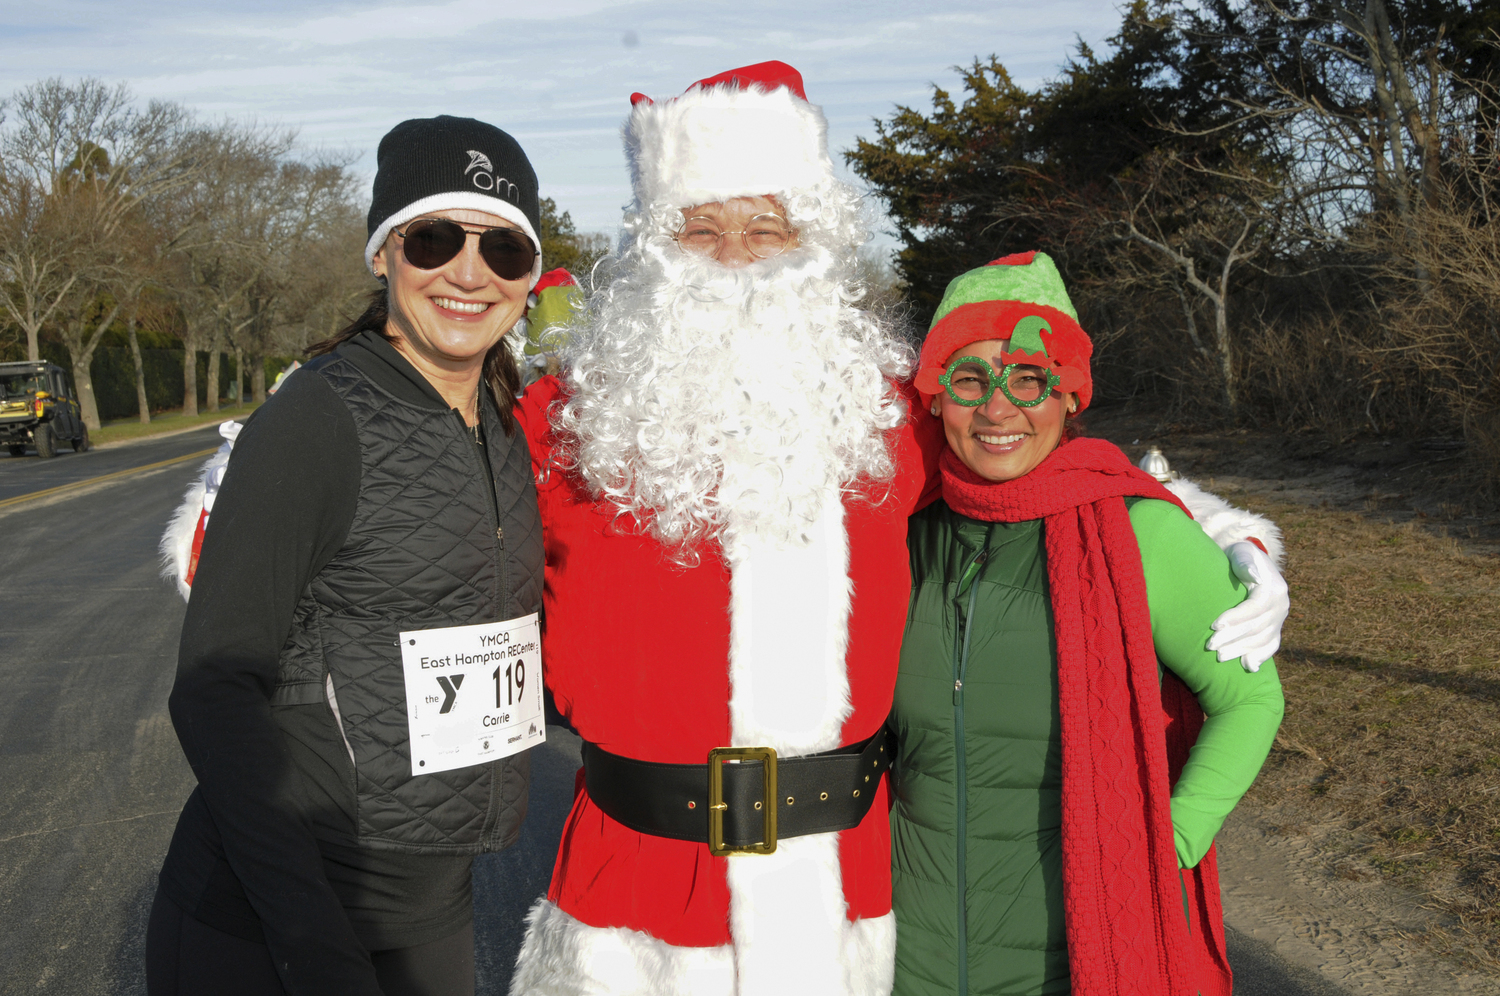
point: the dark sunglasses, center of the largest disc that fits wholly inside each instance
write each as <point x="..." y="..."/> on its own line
<point x="428" y="243"/>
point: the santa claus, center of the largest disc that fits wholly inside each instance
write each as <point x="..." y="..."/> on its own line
<point x="725" y="472"/>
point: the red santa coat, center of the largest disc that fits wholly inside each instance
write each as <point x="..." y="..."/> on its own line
<point x="646" y="658"/>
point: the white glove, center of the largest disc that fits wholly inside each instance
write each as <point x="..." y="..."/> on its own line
<point x="1251" y="630"/>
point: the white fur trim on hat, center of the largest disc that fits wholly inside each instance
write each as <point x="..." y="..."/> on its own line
<point x="718" y="142"/>
<point x="453" y="200"/>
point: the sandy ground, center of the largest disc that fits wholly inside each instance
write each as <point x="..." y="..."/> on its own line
<point x="1302" y="889"/>
<point x="1298" y="893"/>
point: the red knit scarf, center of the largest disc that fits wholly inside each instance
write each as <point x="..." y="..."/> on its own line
<point x="1125" y="733"/>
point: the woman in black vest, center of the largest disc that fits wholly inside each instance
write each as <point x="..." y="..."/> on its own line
<point x="382" y="497"/>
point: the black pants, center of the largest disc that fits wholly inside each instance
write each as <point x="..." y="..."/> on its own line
<point x="186" y="957"/>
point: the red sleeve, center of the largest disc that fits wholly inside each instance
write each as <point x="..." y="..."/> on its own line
<point x="533" y="412"/>
<point x="919" y="444"/>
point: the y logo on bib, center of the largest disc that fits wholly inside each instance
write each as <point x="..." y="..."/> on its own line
<point x="450" y="691"/>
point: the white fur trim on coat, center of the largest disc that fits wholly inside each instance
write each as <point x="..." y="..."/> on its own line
<point x="788" y="638"/>
<point x="176" y="547"/>
<point x="718" y="142"/>
<point x="788" y="918"/>
<point x="870" y="956"/>
<point x="1225" y="523"/>
<point x="177" y="541"/>
<point x="563" y="957"/>
<point x="788" y="646"/>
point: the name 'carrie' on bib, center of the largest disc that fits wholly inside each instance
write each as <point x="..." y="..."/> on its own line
<point x="473" y="693"/>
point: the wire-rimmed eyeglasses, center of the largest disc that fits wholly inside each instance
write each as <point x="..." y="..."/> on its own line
<point x="764" y="236"/>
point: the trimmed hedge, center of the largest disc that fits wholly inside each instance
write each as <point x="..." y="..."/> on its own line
<point x="113" y="371"/>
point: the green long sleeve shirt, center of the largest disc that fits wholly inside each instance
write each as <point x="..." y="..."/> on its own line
<point x="976" y="822"/>
<point x="1188" y="586"/>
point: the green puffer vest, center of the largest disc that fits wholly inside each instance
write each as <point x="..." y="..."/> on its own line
<point x="977" y="823"/>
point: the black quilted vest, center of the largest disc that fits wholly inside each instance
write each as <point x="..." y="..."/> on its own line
<point x="425" y="550"/>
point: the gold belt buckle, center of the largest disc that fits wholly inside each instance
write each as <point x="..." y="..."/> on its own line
<point x="717" y="805"/>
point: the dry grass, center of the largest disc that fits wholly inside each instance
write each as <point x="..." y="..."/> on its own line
<point x="1391" y="665"/>
<point x="119" y="430"/>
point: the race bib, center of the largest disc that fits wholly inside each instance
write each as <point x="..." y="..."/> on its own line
<point x="473" y="693"/>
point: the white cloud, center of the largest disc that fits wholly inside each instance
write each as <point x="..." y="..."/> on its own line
<point x="410" y="21"/>
<point x="693" y="41"/>
<point x="557" y="74"/>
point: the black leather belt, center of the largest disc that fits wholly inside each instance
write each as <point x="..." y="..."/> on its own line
<point x="724" y="803"/>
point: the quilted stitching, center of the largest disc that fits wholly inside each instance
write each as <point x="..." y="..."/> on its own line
<point x="421" y="553"/>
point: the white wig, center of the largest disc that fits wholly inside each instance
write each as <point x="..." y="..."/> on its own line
<point x="708" y="402"/>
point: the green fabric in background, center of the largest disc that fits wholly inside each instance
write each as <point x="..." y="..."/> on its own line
<point x="557" y="307"/>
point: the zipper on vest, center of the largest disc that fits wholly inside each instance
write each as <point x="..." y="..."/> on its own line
<point x="481" y="454"/>
<point x="477" y="448"/>
<point x="487" y="476"/>
<point x="961" y="788"/>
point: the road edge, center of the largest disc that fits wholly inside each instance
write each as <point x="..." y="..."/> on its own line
<point x="168" y="434"/>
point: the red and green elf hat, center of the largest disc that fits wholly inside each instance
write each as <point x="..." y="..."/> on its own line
<point x="1018" y="298"/>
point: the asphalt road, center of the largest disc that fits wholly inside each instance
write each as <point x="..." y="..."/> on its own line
<point x="27" y="474"/>
<point x="94" y="779"/>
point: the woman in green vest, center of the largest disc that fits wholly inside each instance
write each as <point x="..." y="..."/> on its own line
<point x="1068" y="747"/>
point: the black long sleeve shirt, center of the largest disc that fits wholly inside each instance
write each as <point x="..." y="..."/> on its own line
<point x="243" y="858"/>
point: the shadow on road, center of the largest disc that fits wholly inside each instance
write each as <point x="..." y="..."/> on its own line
<point x="1260" y="971"/>
<point x="506" y="884"/>
<point x="130" y="954"/>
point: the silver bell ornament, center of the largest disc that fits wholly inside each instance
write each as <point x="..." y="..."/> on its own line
<point x="1155" y="464"/>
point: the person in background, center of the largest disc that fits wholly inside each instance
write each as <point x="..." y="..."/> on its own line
<point x="384" y="489"/>
<point x="556" y="303"/>
<point x="1068" y="746"/>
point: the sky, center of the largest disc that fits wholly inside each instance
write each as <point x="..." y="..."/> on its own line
<point x="556" y="74"/>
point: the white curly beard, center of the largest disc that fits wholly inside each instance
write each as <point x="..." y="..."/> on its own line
<point x="714" y="404"/>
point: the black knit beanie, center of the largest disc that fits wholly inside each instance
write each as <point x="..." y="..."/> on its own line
<point x="436" y="164"/>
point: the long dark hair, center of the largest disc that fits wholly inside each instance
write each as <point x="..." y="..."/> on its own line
<point x="500" y="371"/>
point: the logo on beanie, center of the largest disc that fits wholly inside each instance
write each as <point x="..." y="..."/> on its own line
<point x="484" y="177"/>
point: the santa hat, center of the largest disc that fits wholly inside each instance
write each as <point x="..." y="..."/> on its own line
<point x="745" y="132"/>
<point x="1018" y="298"/>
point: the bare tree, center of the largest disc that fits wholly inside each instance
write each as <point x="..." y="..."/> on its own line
<point x="142" y="273"/>
<point x="310" y="242"/>
<point x="74" y="164"/>
<point x="254" y="218"/>
<point x="1358" y="117"/>
<point x="317" y="289"/>
<point x="216" y="254"/>
<point x="1198" y="224"/>
<point x="36" y="256"/>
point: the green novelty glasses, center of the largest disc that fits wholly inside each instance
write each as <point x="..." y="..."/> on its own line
<point x="971" y="382"/>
